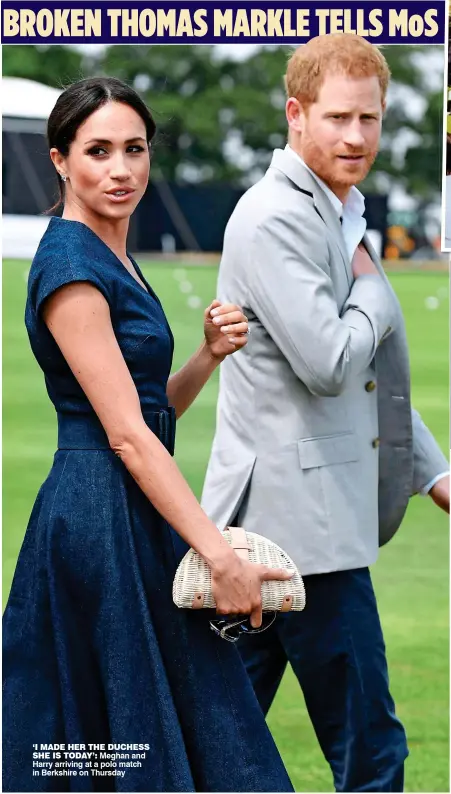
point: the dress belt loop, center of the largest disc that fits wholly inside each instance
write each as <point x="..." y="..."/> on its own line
<point x="166" y="428"/>
<point x="163" y="421"/>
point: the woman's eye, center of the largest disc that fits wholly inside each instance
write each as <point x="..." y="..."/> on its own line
<point x="97" y="150"/>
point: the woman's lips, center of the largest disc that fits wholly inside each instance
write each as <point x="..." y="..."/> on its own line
<point x="119" y="196"/>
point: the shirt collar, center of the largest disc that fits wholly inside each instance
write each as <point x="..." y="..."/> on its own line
<point x="355" y="202"/>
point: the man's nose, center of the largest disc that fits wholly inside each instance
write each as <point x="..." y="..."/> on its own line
<point x="353" y="134"/>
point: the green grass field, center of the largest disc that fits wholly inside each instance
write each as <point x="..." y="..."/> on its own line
<point x="411" y="577"/>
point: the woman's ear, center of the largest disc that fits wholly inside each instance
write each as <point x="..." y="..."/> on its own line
<point x="58" y="161"/>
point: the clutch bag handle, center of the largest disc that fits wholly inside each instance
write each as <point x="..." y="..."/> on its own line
<point x="238" y="542"/>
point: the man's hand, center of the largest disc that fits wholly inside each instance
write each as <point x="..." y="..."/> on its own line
<point x="362" y="264"/>
<point x="440" y="493"/>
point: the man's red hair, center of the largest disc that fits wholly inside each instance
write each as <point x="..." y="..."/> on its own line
<point x="335" y="53"/>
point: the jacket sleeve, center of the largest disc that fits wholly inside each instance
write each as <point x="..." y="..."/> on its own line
<point x="428" y="459"/>
<point x="291" y="293"/>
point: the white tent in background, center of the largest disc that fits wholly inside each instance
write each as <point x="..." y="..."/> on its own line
<point x="27" y="99"/>
<point x="26" y="106"/>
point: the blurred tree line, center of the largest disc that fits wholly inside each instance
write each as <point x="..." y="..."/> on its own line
<point x="219" y="119"/>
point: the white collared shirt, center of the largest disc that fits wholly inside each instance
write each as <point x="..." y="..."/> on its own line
<point x="354" y="226"/>
<point x="351" y="212"/>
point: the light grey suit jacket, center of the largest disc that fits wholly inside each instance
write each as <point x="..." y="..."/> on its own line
<point x="316" y="445"/>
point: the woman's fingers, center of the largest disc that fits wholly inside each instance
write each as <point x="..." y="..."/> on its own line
<point x="268" y="574"/>
<point x="225" y="308"/>
<point x="229" y="318"/>
<point x="236" y="328"/>
<point x="256" y="617"/>
<point x="224" y="609"/>
<point x="238" y="341"/>
<point x="243" y="596"/>
<point x="214" y="305"/>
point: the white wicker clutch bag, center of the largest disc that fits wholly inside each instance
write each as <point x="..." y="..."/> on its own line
<point x="192" y="582"/>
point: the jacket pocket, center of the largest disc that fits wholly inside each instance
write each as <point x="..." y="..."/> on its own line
<point x="327" y="450"/>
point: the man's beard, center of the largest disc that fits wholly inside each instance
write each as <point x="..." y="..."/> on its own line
<point x="331" y="169"/>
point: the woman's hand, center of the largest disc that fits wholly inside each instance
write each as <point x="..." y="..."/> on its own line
<point x="225" y="329"/>
<point x="236" y="587"/>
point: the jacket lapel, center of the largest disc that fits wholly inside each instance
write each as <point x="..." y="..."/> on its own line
<point x="373" y="256"/>
<point x="283" y="161"/>
<point x="376" y="260"/>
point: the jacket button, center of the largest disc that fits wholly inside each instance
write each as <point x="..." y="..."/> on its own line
<point x="375" y="443"/>
<point x="370" y="386"/>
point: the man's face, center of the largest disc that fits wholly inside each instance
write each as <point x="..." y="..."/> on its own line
<point x="340" y="133"/>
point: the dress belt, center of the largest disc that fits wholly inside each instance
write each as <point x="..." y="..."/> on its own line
<point x="85" y="431"/>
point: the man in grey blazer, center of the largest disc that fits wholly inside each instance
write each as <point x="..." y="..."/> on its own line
<point x="316" y="444"/>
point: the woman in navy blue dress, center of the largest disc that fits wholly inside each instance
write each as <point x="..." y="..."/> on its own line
<point x="95" y="652"/>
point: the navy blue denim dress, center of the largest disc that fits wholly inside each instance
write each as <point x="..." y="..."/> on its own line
<point x="94" y="649"/>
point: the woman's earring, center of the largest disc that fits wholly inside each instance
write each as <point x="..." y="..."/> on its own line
<point x="63" y="177"/>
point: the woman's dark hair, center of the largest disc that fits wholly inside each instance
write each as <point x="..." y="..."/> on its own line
<point x="79" y="101"/>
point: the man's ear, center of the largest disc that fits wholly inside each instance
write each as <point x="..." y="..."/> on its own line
<point x="295" y="115"/>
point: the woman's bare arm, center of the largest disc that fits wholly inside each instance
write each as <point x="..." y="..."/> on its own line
<point x="78" y="318"/>
<point x="225" y="333"/>
<point x="185" y="384"/>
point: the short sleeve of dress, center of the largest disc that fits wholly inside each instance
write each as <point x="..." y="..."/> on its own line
<point x="51" y="273"/>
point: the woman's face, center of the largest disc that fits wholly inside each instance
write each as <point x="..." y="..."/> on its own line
<point x="107" y="167"/>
